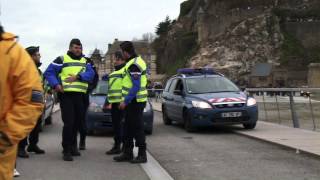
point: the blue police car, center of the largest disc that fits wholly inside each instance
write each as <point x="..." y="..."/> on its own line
<point x="99" y="117"/>
<point x="202" y="97"/>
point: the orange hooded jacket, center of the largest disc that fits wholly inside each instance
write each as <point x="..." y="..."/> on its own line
<point x="21" y="100"/>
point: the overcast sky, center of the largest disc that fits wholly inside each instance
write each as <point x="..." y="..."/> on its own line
<point x="51" y="24"/>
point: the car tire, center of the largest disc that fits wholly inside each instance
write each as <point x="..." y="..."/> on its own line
<point x="187" y="123"/>
<point x="250" y="125"/>
<point x="165" y="118"/>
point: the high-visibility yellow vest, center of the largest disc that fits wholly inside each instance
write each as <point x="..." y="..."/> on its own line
<point x="73" y="67"/>
<point x="115" y="86"/>
<point x="142" y="95"/>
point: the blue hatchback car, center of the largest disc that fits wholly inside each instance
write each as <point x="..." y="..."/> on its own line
<point x="202" y="97"/>
<point x="99" y="118"/>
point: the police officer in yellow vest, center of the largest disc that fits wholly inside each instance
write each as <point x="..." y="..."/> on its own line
<point x="115" y="98"/>
<point x="69" y="75"/>
<point x="135" y="97"/>
<point x="34" y="135"/>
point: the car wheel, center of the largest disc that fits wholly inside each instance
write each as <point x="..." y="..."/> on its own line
<point x="165" y="118"/>
<point x="188" y="123"/>
<point x="250" y="126"/>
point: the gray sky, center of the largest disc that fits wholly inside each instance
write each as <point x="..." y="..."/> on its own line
<point x="51" y="24"/>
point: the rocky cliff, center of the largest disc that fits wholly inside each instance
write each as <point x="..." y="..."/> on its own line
<point x="232" y="35"/>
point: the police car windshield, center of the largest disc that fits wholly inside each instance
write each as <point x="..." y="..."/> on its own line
<point x="210" y="85"/>
<point x="101" y="89"/>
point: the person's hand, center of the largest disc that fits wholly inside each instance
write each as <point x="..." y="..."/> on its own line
<point x="58" y="88"/>
<point x="71" y="79"/>
<point x="122" y="106"/>
<point x="109" y="106"/>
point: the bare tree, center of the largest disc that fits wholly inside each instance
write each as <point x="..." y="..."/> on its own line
<point x="149" y="37"/>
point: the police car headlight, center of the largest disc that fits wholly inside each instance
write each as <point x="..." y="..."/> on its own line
<point x="251" y="102"/>
<point x="201" y="105"/>
<point x="93" y="107"/>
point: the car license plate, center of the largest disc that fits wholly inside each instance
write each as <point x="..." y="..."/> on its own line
<point x="231" y="114"/>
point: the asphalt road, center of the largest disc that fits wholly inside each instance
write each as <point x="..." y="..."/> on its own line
<point x="209" y="154"/>
<point x="221" y="154"/>
<point x="92" y="165"/>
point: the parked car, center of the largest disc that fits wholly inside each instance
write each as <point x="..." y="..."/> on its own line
<point x="202" y="97"/>
<point x="99" y="117"/>
<point x="46" y="115"/>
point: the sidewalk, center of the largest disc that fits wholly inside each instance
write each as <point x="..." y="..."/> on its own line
<point x="298" y="139"/>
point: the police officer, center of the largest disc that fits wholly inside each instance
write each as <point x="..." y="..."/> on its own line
<point x="21" y="101"/>
<point x="69" y="76"/>
<point x="135" y="97"/>
<point x="114" y="98"/>
<point x="34" y="135"/>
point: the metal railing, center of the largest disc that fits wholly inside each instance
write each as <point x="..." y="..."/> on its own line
<point x="283" y="106"/>
<point x="297" y="107"/>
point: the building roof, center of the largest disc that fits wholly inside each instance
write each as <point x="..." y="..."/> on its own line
<point x="261" y="70"/>
<point x="141" y="47"/>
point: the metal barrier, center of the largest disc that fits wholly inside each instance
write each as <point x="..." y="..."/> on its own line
<point x="302" y="104"/>
<point x="284" y="106"/>
<point x="155" y="94"/>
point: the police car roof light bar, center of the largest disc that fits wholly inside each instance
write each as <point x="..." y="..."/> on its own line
<point x="198" y="71"/>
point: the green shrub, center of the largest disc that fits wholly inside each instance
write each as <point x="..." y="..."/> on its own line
<point x="186" y="7"/>
<point x="291" y="49"/>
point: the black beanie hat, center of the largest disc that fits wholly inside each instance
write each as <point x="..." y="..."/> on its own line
<point x="32" y="50"/>
<point x="75" y="41"/>
<point x="128" y="47"/>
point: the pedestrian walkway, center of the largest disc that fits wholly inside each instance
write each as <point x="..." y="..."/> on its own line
<point x="298" y="139"/>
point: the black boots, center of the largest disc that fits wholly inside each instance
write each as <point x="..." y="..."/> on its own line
<point x="75" y="151"/>
<point x="141" y="158"/>
<point x="114" y="150"/>
<point x="82" y="144"/>
<point x="67" y="156"/>
<point x="126" y="155"/>
<point x="22" y="153"/>
<point x="35" y="149"/>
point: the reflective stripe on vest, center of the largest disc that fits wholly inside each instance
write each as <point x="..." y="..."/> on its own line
<point x="142" y="95"/>
<point x="115" y="86"/>
<point x="73" y="67"/>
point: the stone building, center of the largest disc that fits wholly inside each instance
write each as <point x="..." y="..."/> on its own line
<point x="98" y="60"/>
<point x="273" y="75"/>
<point x="143" y="49"/>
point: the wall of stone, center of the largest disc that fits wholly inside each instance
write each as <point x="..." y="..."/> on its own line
<point x="307" y="32"/>
<point x="314" y="75"/>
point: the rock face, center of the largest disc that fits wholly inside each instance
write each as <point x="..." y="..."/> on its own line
<point x="232" y="35"/>
<point x="235" y="51"/>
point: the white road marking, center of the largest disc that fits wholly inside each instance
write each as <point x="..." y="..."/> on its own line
<point x="153" y="169"/>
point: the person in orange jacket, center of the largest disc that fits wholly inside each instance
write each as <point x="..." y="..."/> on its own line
<point x="21" y="100"/>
